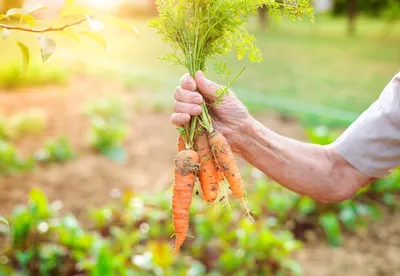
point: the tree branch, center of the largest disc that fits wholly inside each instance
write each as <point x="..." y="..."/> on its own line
<point x="50" y="29"/>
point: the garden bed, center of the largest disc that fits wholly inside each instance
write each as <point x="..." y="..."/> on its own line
<point x="89" y="179"/>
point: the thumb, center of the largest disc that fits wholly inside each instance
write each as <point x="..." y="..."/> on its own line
<point x="206" y="87"/>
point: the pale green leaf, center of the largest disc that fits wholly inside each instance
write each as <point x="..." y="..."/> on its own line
<point x="3" y="220"/>
<point x="98" y="38"/>
<point x="122" y="24"/>
<point x="70" y="34"/>
<point x="47" y="46"/>
<point x="15" y="12"/>
<point x="75" y="10"/>
<point x="94" y="24"/>
<point x="25" y="54"/>
<point x="32" y="7"/>
<point x="181" y="131"/>
<point x="5" y="33"/>
<point x="117" y="154"/>
<point x="28" y="19"/>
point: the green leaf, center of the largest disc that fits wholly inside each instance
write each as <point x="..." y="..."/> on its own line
<point x="28" y="19"/>
<point x="122" y="23"/>
<point x="98" y="38"/>
<point x="32" y="7"/>
<point x="4" y="221"/>
<point x="374" y="211"/>
<point x="306" y="206"/>
<point x="24" y="257"/>
<point x="181" y="131"/>
<point x="15" y="12"/>
<point x="331" y="226"/>
<point x="2" y="16"/>
<point x="116" y="154"/>
<point x="47" y="46"/>
<point x="94" y="25"/>
<point x="389" y="199"/>
<point x="71" y="34"/>
<point x="25" y="54"/>
<point x="348" y="216"/>
<point x="39" y="201"/>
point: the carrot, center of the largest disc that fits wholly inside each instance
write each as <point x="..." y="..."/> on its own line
<point x="181" y="144"/>
<point x="208" y="174"/>
<point x="187" y="164"/>
<point x="220" y="177"/>
<point x="223" y="154"/>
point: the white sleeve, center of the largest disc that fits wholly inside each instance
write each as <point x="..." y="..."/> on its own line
<point x="372" y="143"/>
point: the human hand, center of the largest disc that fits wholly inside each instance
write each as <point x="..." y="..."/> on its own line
<point x="229" y="117"/>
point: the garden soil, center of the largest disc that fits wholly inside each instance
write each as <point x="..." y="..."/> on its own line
<point x="88" y="180"/>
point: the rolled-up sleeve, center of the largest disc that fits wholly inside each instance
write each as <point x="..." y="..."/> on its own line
<point x="372" y="143"/>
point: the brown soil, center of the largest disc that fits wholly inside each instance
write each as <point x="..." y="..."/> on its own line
<point x="151" y="147"/>
<point x="374" y="252"/>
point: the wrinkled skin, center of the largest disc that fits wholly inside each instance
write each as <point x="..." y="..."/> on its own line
<point x="229" y="117"/>
<point x="319" y="172"/>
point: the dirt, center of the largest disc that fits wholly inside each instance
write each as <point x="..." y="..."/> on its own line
<point x="374" y="252"/>
<point x="87" y="181"/>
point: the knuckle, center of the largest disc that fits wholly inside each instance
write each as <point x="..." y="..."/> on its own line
<point x="175" y="105"/>
<point x="196" y="110"/>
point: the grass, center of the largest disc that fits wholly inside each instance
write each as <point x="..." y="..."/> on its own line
<point x="306" y="68"/>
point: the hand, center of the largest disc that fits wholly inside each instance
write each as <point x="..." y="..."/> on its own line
<point x="229" y="117"/>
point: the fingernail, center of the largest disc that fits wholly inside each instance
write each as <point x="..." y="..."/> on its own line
<point x="197" y="109"/>
<point x="198" y="99"/>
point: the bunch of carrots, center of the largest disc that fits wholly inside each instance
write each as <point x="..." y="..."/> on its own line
<point x="211" y="160"/>
<point x="198" y="30"/>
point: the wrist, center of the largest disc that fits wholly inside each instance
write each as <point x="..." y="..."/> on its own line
<point x="239" y="137"/>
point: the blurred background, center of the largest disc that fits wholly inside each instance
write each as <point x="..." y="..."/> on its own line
<point x="90" y="130"/>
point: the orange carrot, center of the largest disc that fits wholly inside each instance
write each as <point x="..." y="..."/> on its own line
<point x="223" y="154"/>
<point x="187" y="164"/>
<point x="181" y="144"/>
<point x="220" y="172"/>
<point x="208" y="174"/>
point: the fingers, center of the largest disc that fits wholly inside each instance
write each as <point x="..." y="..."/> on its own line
<point x="180" y="119"/>
<point x="188" y="83"/>
<point x="206" y="87"/>
<point x="192" y="109"/>
<point x="187" y="96"/>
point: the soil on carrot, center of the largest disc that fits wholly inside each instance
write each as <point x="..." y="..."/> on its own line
<point x="89" y="179"/>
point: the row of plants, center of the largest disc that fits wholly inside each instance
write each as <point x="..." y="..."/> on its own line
<point x="132" y="236"/>
<point x="108" y="130"/>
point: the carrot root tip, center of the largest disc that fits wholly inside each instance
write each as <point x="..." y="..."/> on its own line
<point x="248" y="211"/>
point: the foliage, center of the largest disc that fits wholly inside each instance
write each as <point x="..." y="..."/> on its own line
<point x="108" y="127"/>
<point x="131" y="236"/>
<point x="300" y="214"/>
<point x="199" y="30"/>
<point x="57" y="150"/>
<point x="369" y="7"/>
<point x="28" y="122"/>
<point x="11" y="161"/>
<point x="26" y="22"/>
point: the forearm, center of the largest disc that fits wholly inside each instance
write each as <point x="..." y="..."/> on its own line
<point x="312" y="170"/>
